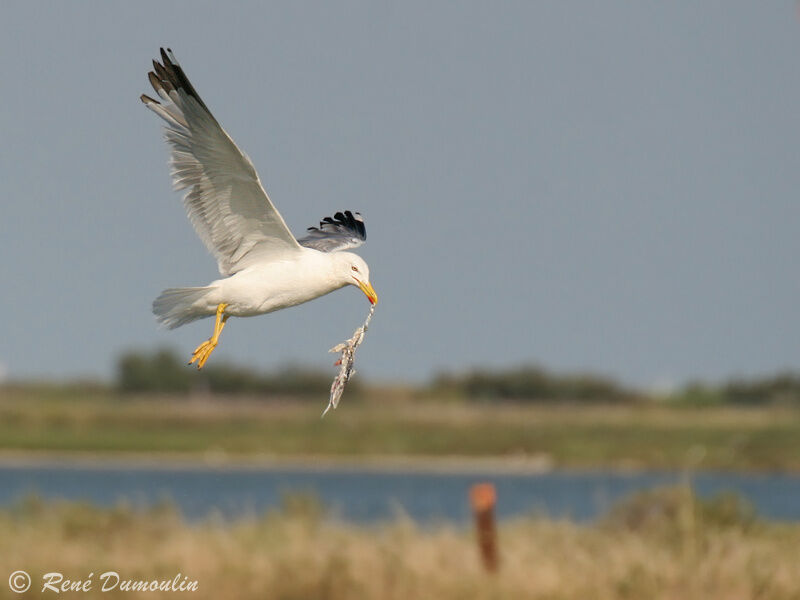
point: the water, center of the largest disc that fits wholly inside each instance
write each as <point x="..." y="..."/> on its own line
<point x="368" y="495"/>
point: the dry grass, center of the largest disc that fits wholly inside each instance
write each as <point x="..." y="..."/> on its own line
<point x="663" y="546"/>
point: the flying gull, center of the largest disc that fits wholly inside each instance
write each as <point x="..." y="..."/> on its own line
<point x="264" y="267"/>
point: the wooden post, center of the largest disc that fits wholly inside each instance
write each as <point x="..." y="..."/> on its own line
<point x="483" y="499"/>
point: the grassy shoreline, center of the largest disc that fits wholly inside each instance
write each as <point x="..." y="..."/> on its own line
<point x="378" y="463"/>
<point x="405" y="433"/>
<point x="663" y="545"/>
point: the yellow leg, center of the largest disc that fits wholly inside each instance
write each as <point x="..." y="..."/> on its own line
<point x="204" y="350"/>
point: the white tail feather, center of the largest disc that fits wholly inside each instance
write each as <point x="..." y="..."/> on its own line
<point x="178" y="306"/>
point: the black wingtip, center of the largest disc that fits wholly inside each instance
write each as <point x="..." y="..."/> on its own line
<point x="159" y="70"/>
<point x="343" y="220"/>
<point x="172" y="77"/>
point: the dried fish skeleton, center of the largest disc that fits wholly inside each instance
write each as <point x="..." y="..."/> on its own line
<point x="346" y="362"/>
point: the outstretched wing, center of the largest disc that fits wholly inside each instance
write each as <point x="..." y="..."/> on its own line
<point x="226" y="202"/>
<point x="343" y="231"/>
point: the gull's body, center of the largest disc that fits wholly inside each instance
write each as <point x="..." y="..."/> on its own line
<point x="264" y="267"/>
<point x="264" y="288"/>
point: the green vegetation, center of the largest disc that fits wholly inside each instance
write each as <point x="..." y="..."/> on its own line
<point x="158" y="405"/>
<point x="164" y="372"/>
<point x="783" y="388"/>
<point x="531" y="384"/>
<point x="389" y="424"/>
<point x="662" y="545"/>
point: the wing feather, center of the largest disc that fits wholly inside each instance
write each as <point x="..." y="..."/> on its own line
<point x="225" y="201"/>
<point x="343" y="231"/>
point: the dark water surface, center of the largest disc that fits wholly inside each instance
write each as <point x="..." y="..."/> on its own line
<point x="365" y="495"/>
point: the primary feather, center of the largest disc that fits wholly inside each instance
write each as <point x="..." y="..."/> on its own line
<point x="226" y="202"/>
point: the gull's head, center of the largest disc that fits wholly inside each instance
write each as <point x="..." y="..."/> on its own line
<point x="352" y="270"/>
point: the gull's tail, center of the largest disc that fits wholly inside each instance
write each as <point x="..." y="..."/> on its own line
<point x="178" y="306"/>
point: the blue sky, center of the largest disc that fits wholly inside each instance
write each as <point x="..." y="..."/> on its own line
<point x="585" y="186"/>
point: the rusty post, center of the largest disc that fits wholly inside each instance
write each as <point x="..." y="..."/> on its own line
<point x="483" y="499"/>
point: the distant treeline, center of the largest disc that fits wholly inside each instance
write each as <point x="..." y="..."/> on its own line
<point x="538" y="385"/>
<point x="530" y="383"/>
<point x="163" y="371"/>
<point x="783" y="388"/>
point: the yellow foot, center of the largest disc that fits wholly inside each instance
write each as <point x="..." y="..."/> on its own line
<point x="204" y="350"/>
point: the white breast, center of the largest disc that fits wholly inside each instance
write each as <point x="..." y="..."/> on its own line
<point x="272" y="286"/>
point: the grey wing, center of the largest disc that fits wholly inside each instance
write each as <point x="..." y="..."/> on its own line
<point x="226" y="203"/>
<point x="343" y="231"/>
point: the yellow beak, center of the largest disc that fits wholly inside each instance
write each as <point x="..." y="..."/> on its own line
<point x="368" y="290"/>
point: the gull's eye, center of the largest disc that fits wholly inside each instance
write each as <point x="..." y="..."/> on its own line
<point x="355" y="268"/>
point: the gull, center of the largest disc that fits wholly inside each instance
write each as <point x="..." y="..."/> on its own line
<point x="264" y="267"/>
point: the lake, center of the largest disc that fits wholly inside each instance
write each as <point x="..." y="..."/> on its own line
<point x="368" y="494"/>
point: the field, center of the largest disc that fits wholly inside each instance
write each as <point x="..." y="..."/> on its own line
<point x="388" y="427"/>
<point x="661" y="545"/>
<point x="665" y="546"/>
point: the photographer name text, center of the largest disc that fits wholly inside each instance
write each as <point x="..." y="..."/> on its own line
<point x="112" y="581"/>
